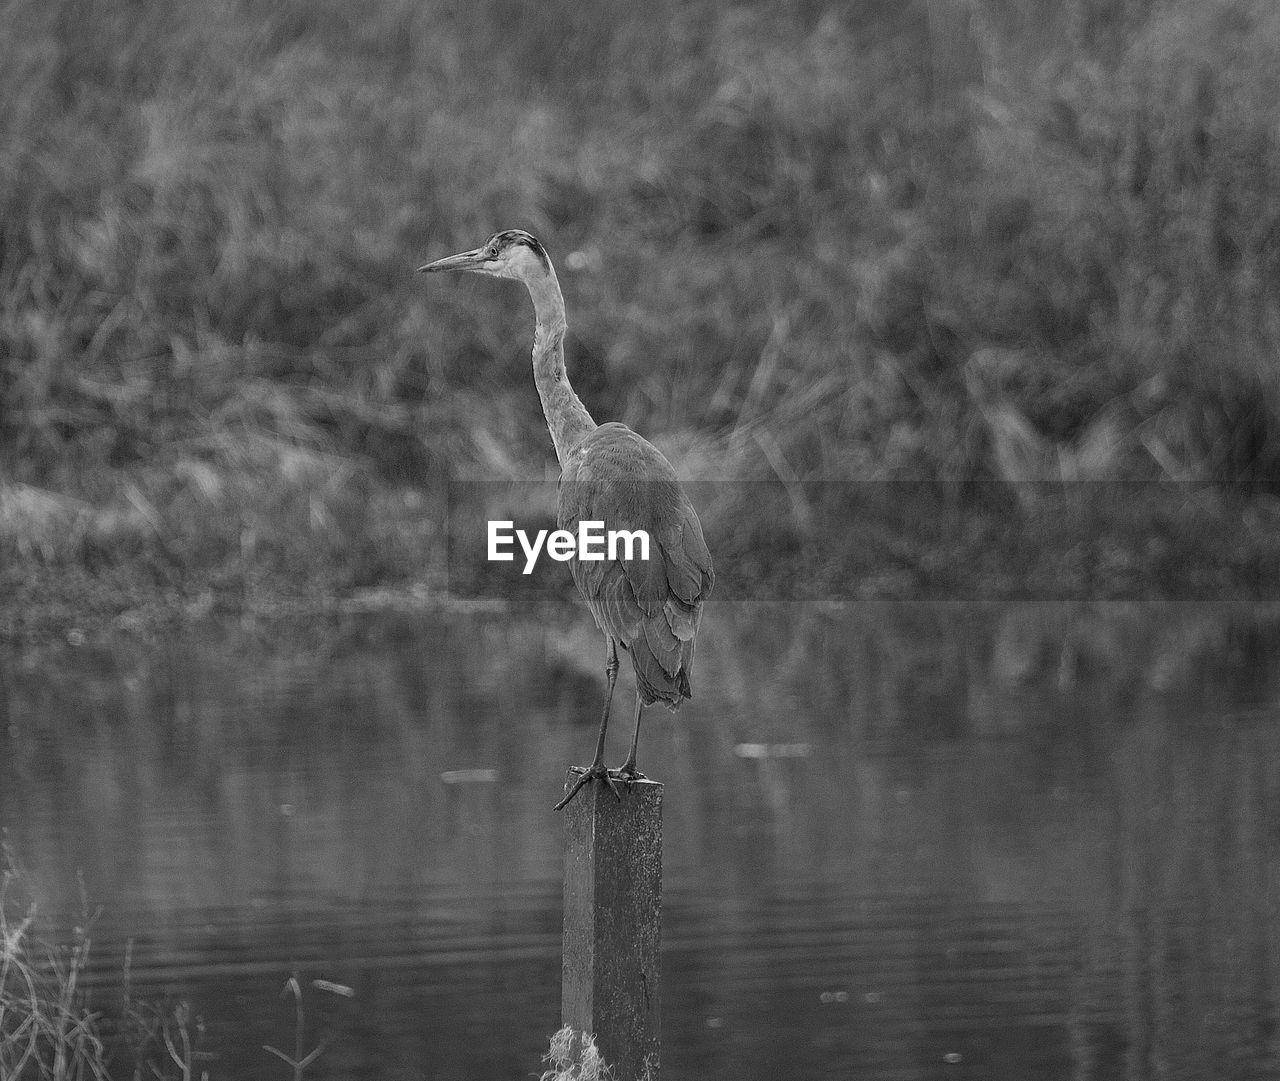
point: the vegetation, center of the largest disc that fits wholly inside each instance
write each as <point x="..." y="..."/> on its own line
<point x="44" y="1029"/>
<point x="978" y="246"/>
<point x="574" y="1056"/>
<point x="47" y="1026"/>
<point x="50" y="1029"/>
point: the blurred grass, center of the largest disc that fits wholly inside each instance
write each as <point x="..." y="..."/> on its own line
<point x="1022" y="243"/>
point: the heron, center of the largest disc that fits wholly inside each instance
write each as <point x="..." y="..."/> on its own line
<point x="648" y="608"/>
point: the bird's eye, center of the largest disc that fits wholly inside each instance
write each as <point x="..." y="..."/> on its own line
<point x="491" y="252"/>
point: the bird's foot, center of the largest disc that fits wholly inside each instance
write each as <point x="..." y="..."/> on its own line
<point x="595" y="772"/>
<point x="627" y="774"/>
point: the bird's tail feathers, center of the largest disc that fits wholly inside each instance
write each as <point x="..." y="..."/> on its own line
<point x="655" y="683"/>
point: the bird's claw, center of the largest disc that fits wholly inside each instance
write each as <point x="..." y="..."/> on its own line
<point x="588" y="773"/>
<point x="628" y="775"/>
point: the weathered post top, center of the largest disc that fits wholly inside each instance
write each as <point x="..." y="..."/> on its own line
<point x="613" y="923"/>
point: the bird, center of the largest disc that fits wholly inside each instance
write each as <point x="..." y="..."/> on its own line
<point x="649" y="608"/>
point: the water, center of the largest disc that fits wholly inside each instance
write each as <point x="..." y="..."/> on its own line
<point x="1033" y="842"/>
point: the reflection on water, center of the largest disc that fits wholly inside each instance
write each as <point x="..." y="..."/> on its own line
<point x="901" y="841"/>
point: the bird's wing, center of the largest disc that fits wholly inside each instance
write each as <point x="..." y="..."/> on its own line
<point x="652" y="606"/>
<point x="688" y="560"/>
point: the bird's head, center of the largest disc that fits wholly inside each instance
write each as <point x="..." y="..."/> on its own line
<point x="510" y="254"/>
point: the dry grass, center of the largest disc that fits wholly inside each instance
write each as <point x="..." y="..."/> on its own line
<point x="50" y="1030"/>
<point x="573" y="1056"/>
<point x="46" y="1030"/>
<point x="925" y="241"/>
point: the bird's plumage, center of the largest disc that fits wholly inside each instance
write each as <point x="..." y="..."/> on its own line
<point x="650" y="607"/>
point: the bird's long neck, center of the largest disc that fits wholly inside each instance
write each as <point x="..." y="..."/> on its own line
<point x="566" y="416"/>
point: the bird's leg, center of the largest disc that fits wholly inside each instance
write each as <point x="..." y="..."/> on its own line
<point x="597" y="768"/>
<point x="628" y="771"/>
<point x="611" y="678"/>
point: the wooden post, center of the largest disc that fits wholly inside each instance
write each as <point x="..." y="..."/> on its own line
<point x="613" y="923"/>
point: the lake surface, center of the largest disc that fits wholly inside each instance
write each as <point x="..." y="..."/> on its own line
<point x="901" y="841"/>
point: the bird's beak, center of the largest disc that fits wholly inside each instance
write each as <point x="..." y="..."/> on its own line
<point x="467" y="260"/>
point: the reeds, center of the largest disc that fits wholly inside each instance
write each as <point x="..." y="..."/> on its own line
<point x="938" y="241"/>
<point x="46" y="1030"/>
<point x="50" y="1030"/>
